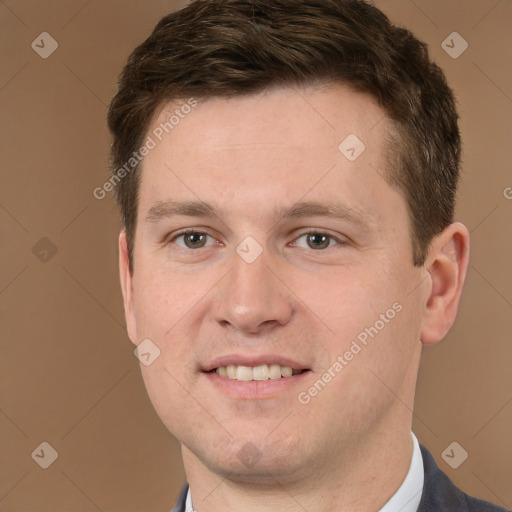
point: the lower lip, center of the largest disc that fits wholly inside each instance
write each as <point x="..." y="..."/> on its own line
<point x="255" y="389"/>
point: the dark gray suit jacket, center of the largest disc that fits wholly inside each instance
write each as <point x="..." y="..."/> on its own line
<point x="439" y="493"/>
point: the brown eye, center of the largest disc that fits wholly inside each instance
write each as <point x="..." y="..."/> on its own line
<point x="192" y="240"/>
<point x="317" y="240"/>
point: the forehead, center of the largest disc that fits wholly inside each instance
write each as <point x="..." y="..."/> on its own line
<point x="279" y="116"/>
<point x="283" y="143"/>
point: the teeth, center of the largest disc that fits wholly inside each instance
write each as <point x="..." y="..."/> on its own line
<point x="262" y="372"/>
<point x="286" y="371"/>
<point x="231" y="371"/>
<point x="244" y="373"/>
<point x="275" y="371"/>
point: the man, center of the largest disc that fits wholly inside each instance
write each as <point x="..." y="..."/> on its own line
<point x="286" y="172"/>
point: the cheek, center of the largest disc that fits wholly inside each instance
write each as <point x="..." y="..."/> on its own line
<point x="161" y="298"/>
<point x="367" y="317"/>
<point x="169" y="307"/>
<point x="348" y="298"/>
<point x="165" y="304"/>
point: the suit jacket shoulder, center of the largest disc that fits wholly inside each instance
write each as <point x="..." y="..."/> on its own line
<point x="440" y="494"/>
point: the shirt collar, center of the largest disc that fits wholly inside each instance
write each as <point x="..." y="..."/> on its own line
<point x="408" y="496"/>
<point x="188" y="503"/>
<point x="406" y="499"/>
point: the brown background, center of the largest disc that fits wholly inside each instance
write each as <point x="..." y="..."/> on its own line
<point x="68" y="373"/>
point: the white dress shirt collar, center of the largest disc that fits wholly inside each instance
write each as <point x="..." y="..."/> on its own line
<point x="408" y="496"/>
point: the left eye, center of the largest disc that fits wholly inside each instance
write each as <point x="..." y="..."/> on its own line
<point x="317" y="241"/>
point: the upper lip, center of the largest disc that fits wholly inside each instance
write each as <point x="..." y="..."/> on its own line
<point x="246" y="360"/>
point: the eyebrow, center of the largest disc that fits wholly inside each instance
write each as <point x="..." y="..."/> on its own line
<point x="168" y="209"/>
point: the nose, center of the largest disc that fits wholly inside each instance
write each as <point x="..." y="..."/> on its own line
<point x="252" y="299"/>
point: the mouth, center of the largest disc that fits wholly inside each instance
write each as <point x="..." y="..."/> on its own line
<point x="256" y="376"/>
<point x="261" y="372"/>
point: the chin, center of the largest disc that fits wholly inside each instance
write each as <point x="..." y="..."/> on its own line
<point x="266" y="473"/>
<point x="256" y="460"/>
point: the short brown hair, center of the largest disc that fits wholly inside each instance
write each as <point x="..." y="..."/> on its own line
<point x="224" y="48"/>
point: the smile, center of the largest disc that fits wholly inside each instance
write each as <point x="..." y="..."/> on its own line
<point x="259" y="373"/>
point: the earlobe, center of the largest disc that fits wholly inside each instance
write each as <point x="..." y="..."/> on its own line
<point x="127" y="287"/>
<point x="447" y="264"/>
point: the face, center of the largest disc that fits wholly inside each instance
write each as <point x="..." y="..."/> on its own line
<point x="261" y="241"/>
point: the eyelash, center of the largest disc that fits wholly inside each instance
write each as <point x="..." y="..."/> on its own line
<point x="168" y="242"/>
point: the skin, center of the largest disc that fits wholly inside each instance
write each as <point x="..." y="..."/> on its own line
<point x="251" y="156"/>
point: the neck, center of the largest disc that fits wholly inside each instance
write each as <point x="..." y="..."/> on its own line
<point x="356" y="479"/>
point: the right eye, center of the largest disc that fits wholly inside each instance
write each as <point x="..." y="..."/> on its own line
<point x="191" y="239"/>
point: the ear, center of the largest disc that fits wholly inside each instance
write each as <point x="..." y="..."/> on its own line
<point x="447" y="263"/>
<point x="127" y="287"/>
